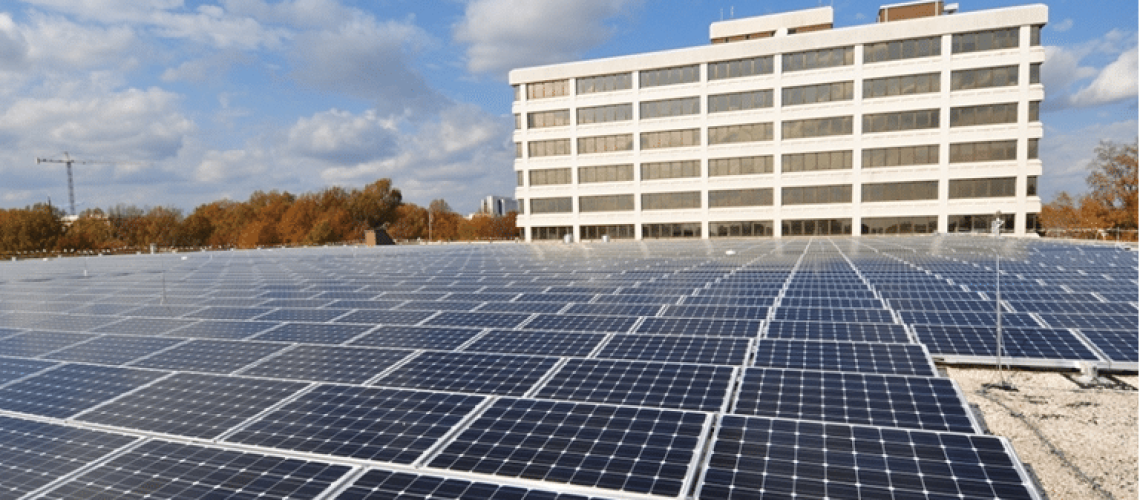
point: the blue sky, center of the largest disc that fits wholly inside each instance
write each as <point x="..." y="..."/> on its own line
<point x="186" y="102"/>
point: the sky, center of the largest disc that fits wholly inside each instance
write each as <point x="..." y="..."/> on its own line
<point x="180" y="102"/>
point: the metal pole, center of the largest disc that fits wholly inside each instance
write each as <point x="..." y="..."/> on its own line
<point x="1001" y="374"/>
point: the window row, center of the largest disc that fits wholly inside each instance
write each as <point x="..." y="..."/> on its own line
<point x="731" y="134"/>
<point x="900" y="191"/>
<point x="900" y="156"/>
<point x="670" y="169"/>
<point x="902" y="49"/>
<point x="902" y="85"/>
<point x="982" y="78"/>
<point x="825" y="92"/>
<point x="983" y="188"/>
<point x="605" y="114"/>
<point x="809" y="195"/>
<point x="988" y="114"/>
<point x="904" y="120"/>
<point x="604" y="83"/>
<point x="669" y="76"/>
<point x="747" y="165"/>
<point x="816" y="127"/>
<point x="737" y="68"/>
<point x="810" y="162"/>
<point x="605" y="143"/>
<point x="543" y="119"/>
<point x="978" y="41"/>
<point x="542" y="90"/>
<point x="671" y="107"/>
<point x="605" y="173"/>
<point x="815" y="59"/>
<point x="740" y="101"/>
<point x="671" y="139"/>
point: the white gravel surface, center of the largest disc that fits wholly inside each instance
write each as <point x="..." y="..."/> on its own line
<point x="1082" y="443"/>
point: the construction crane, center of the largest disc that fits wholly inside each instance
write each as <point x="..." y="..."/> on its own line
<point x="67" y="160"/>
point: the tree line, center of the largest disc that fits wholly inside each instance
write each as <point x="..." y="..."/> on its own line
<point x="1109" y="208"/>
<point x="271" y="218"/>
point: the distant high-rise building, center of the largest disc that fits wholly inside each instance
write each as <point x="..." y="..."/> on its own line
<point x="498" y="206"/>
<point x="926" y="121"/>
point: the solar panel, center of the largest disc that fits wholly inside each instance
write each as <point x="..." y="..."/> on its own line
<point x="64" y="391"/>
<point x="350" y="365"/>
<point x="536" y="342"/>
<point x="854" y="398"/>
<point x="847" y="332"/>
<point x="192" y="405"/>
<point x="360" y="422"/>
<point x="384" y="317"/>
<point x="470" y="373"/>
<point x="228" y="313"/>
<point x="290" y="303"/>
<point x="34" y="343"/>
<point x="677" y="348"/>
<point x="896" y="359"/>
<point x="438" y="305"/>
<point x="581" y="323"/>
<point x="144" y="326"/>
<point x="378" y="483"/>
<point x="178" y="470"/>
<point x="314" y="333"/>
<point x="309" y="315"/>
<point x="113" y="349"/>
<point x="222" y="329"/>
<point x="755" y="457"/>
<point x="14" y="368"/>
<point x="613" y="309"/>
<point x="1037" y="343"/>
<point x="478" y="319"/>
<point x="638" y="450"/>
<point x="170" y="311"/>
<point x="834" y="315"/>
<point x="1090" y="321"/>
<point x="701" y="327"/>
<point x="215" y="356"/>
<point x="34" y="454"/>
<point x="1118" y="345"/>
<point x="661" y="385"/>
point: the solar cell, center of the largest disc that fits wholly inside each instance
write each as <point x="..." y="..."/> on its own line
<point x="638" y="450"/>
<point x="64" y="391"/>
<point x="360" y="422"/>
<point x="677" y="348"/>
<point x="113" y="349"/>
<point x="215" y="356"/>
<point x="470" y="373"/>
<point x="192" y="405"/>
<point x="35" y="343"/>
<point x="661" y="385"/>
<point x="33" y="454"/>
<point x="159" y="469"/>
<point x="537" y="342"/>
<point x="897" y="359"/>
<point x="350" y="365"/>
<point x="847" y="332"/>
<point x="314" y="333"/>
<point x="853" y="398"/>
<point x="756" y="457"/>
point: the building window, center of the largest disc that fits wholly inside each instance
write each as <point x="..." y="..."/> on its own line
<point x="740" y="101"/>
<point x="607" y="203"/>
<point x="900" y="156"/>
<point x="519" y="175"/>
<point x="761" y="197"/>
<point x="747" y="165"/>
<point x="816" y="227"/>
<point x="518" y="93"/>
<point x="751" y="132"/>
<point x="605" y="114"/>
<point x="906" y="120"/>
<point x="604" y="83"/>
<point x="816" y="127"/>
<point x="670" y="170"/>
<point x="816" y="59"/>
<point x="544" y="119"/>
<point x="615" y="232"/>
<point x="1031" y="222"/>
<point x="562" y="205"/>
<point x="668" y="76"/>
<point x="671" y="201"/>
<point x="673" y="230"/>
<point x="670" y="107"/>
<point x="542" y="90"/>
<point x="984" y="40"/>
<point x="1031" y="185"/>
<point x="605" y="143"/>
<point x="900" y="225"/>
<point x="550" y="233"/>
<point x="811" y="195"/>
<point x="1001" y="187"/>
<point x="902" y="49"/>
<point x="554" y="147"/>
<point x="1031" y="152"/>
<point x="1035" y="36"/>
<point x="550" y="176"/>
<point x="809" y="162"/>
<point x="1035" y="73"/>
<point x="671" y="139"/>
<point x="967" y="152"/>
<point x="518" y="122"/>
<point x="518" y="150"/>
<point x="979" y="223"/>
<point x="605" y="173"/>
<point x="737" y="68"/>
<point x="901" y="191"/>
<point x="989" y="114"/>
<point x="981" y="78"/>
<point x="812" y="94"/>
<point x="740" y="228"/>
<point x="901" y="85"/>
<point x="1034" y="111"/>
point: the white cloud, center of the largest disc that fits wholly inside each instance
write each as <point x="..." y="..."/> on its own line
<point x="1066" y="69"/>
<point x="339" y="137"/>
<point x="13" y="46"/>
<point x="507" y="34"/>
<point x="1117" y="81"/>
<point x="1062" y="26"/>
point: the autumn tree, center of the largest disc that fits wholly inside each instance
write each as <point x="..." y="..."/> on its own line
<point x="1113" y="184"/>
<point x="411" y="222"/>
<point x="375" y="205"/>
<point x="31" y="229"/>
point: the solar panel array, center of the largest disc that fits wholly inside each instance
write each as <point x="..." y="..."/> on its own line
<point x="652" y="370"/>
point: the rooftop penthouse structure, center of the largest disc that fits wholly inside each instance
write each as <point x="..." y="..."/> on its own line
<point x="926" y="121"/>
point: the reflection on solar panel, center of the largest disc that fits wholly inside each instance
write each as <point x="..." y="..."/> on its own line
<point x="754" y="457"/>
<point x="470" y="373"/>
<point x="113" y="349"/>
<point x="216" y="356"/>
<point x="310" y="315"/>
<point x="853" y="398"/>
<point x="478" y="319"/>
<point x="662" y="385"/>
<point x="175" y="470"/>
<point x="581" y="323"/>
<point x="33" y="454"/>
<point x="385" y="484"/>
<point x="896" y="359"/>
<point x="144" y="326"/>
<point x="613" y="309"/>
<point x="360" y="422"/>
<point x="533" y="342"/>
<point x="14" y="368"/>
<point x="193" y="405"/>
<point x="314" y="333"/>
<point x="64" y="391"/>
<point x="32" y="344"/>
<point x="351" y="365"/>
<point x="638" y="450"/>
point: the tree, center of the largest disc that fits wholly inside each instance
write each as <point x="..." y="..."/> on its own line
<point x="375" y="205"/>
<point x="411" y="223"/>
<point x="1113" y="182"/>
<point x="1063" y="214"/>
